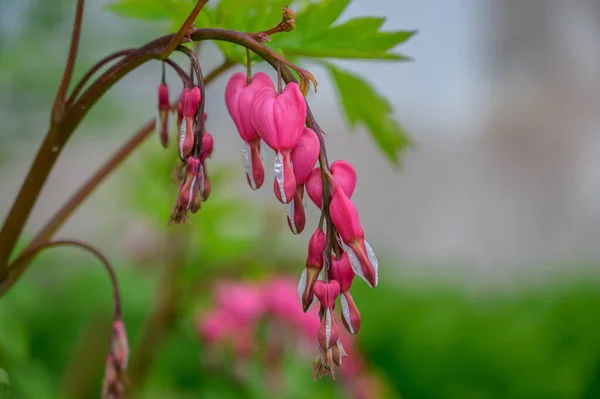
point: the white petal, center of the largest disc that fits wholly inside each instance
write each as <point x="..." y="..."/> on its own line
<point x="278" y="168"/>
<point x="346" y="312"/>
<point x="373" y="259"/>
<point x="191" y="193"/>
<point x="247" y="159"/>
<point x="182" y="137"/>
<point x="355" y="263"/>
<point x="341" y="350"/>
<point x="327" y="325"/>
<point x="302" y="285"/>
<point x="289" y="208"/>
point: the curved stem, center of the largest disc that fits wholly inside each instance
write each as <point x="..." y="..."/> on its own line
<point x="93" y="70"/>
<point x="86" y="247"/>
<point x="58" y="107"/>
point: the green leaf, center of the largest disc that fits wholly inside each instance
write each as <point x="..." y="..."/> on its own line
<point x="316" y="37"/>
<point x="363" y="105"/>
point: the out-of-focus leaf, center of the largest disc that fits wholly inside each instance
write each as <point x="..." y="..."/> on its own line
<point x="151" y="10"/>
<point x="362" y="104"/>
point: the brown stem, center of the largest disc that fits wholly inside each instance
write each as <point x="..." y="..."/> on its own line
<point x="59" y="101"/>
<point x="86" y="247"/>
<point x="182" y="32"/>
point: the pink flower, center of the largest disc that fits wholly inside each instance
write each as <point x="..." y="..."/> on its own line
<point x="279" y="120"/>
<point x="239" y="95"/>
<point x="314" y="264"/>
<point x="344" y="216"/>
<point x="207" y="146"/>
<point x="190" y="103"/>
<point x="305" y="154"/>
<point x="343" y="174"/>
<point x="341" y="271"/>
<point x="326" y="293"/>
<point x="164" y="106"/>
<point x="242" y="301"/>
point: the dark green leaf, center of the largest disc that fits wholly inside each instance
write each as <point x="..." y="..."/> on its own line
<point x="363" y="105"/>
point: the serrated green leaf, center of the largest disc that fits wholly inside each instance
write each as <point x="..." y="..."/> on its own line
<point x="363" y="105"/>
<point x="367" y="40"/>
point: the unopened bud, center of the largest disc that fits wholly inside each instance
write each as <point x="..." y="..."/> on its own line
<point x="296" y="216"/>
<point x="341" y="271"/>
<point x="190" y="108"/>
<point x="314" y="265"/>
<point x="326" y="293"/>
<point x="164" y="108"/>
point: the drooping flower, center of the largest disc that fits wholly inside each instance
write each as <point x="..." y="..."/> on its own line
<point x="326" y="293"/>
<point x="190" y="103"/>
<point x="341" y="271"/>
<point x="239" y="95"/>
<point x="314" y="265"/>
<point x="346" y="220"/>
<point x="343" y="174"/>
<point x="279" y="120"/>
<point x="304" y="157"/>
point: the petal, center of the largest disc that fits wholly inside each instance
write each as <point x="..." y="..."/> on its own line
<point x="263" y="118"/>
<point x="247" y="161"/>
<point x="373" y="259"/>
<point x="346" y="313"/>
<point x="289" y="116"/>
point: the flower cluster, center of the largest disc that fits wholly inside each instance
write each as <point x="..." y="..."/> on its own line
<point x="278" y="118"/>
<point x="243" y="308"/>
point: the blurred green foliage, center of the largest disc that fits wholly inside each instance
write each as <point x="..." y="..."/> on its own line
<point x="319" y="35"/>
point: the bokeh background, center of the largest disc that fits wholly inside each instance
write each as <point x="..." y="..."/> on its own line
<point x="486" y="234"/>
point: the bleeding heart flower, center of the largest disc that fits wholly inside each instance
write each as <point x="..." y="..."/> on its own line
<point x="341" y="271"/>
<point x="305" y="155"/>
<point x="279" y="120"/>
<point x="344" y="216"/>
<point x="239" y="95"/>
<point x="326" y="293"/>
<point x="344" y="175"/>
<point x="296" y="217"/>
<point x="314" y="265"/>
<point x="190" y="103"/>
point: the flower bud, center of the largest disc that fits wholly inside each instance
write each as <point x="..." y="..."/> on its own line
<point x="326" y="293"/>
<point x="279" y="120"/>
<point x="344" y="216"/>
<point x="238" y="98"/>
<point x="190" y="104"/>
<point x="305" y="155"/>
<point x="207" y="146"/>
<point x="120" y="345"/>
<point x="164" y="107"/>
<point x="203" y="182"/>
<point x="314" y="265"/>
<point x="296" y="216"/>
<point x="343" y="174"/>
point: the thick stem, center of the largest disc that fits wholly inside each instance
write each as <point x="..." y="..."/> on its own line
<point x="86" y="247"/>
<point x="59" y="101"/>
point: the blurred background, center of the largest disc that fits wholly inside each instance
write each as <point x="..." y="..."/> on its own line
<point x="486" y="234"/>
